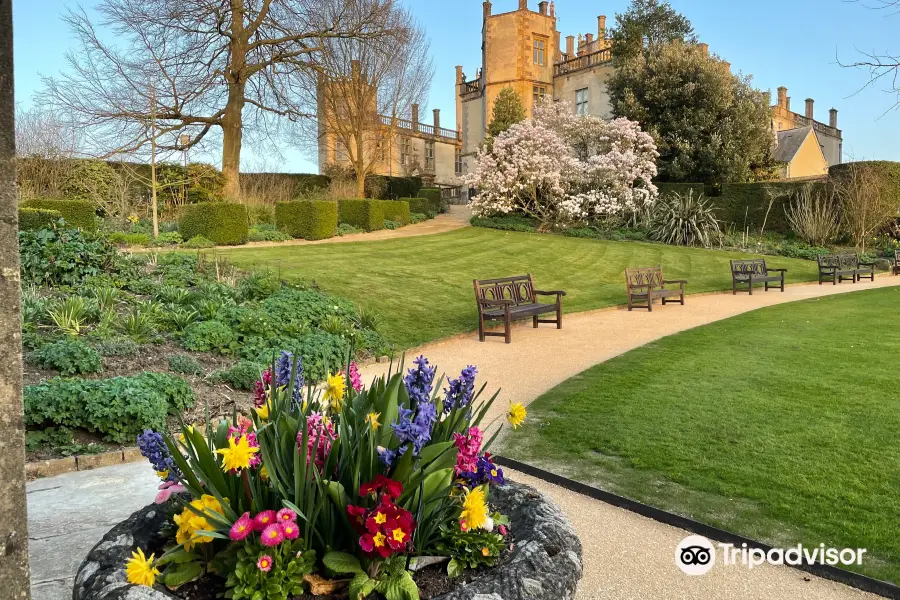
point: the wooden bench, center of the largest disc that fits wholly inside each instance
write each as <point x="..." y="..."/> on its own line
<point x="895" y="268"/>
<point x="752" y="271"/>
<point x="844" y="267"/>
<point x="510" y="299"/>
<point x="647" y="284"/>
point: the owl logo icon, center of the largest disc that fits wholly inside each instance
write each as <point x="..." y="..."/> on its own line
<point x="695" y="555"/>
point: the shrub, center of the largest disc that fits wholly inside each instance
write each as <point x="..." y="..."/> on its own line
<point x="750" y="205"/>
<point x="91" y="181"/>
<point x="322" y="352"/>
<point x="417" y="218"/>
<point x="388" y="224"/>
<point x="64" y="256"/>
<point x="309" y="307"/>
<point x="814" y="217"/>
<point x="78" y="214"/>
<point x="276" y="187"/>
<point x="69" y="357"/>
<point x="198" y="242"/>
<point x="119" y="346"/>
<point x="261" y="214"/>
<point x="869" y="200"/>
<point x="666" y="188"/>
<point x="118" y="409"/>
<point x="392" y="188"/>
<point x="685" y="220"/>
<point x="507" y="223"/>
<point x="307" y="219"/>
<point x="258" y="285"/>
<point x="168" y="238"/>
<point x="241" y="376"/>
<point x="129" y="239"/>
<point x="365" y="214"/>
<point x="397" y="211"/>
<point x="205" y="183"/>
<point x="268" y="235"/>
<point x="436" y="202"/>
<point x="208" y="336"/>
<point x="423" y="206"/>
<point x="224" y="223"/>
<point x="38" y="218"/>
<point x="888" y="169"/>
<point x="184" y="364"/>
<point x="347" y="229"/>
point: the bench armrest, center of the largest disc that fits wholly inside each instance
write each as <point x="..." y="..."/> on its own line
<point x="681" y="281"/>
<point x="776" y="270"/>
<point x="550" y="293"/>
<point x="484" y="302"/>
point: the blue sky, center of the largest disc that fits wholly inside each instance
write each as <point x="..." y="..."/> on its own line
<point x="795" y="43"/>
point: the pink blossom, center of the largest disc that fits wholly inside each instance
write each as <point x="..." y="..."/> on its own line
<point x="355" y="377"/>
<point x="272" y="535"/>
<point x="242" y="528"/>
<point x="290" y="529"/>
<point x="166" y="490"/>
<point x="264" y="563"/>
<point x="286" y="514"/>
<point x="502" y="529"/>
<point x="468" y="447"/>
<point x="319" y="430"/>
<point x="261" y="387"/>
<point x="264" y="519"/>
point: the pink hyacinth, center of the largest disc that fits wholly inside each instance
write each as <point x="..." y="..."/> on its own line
<point x="272" y="535"/>
<point x="290" y="529"/>
<point x="166" y="490"/>
<point x="469" y="446"/>
<point x="261" y="387"/>
<point x="264" y="519"/>
<point x="286" y="514"/>
<point x="318" y="429"/>
<point x="242" y="528"/>
<point x="355" y="378"/>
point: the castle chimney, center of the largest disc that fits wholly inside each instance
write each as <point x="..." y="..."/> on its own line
<point x="570" y="46"/>
<point x="810" y="104"/>
<point x="437" y="121"/>
<point x="782" y="97"/>
<point x="832" y="117"/>
<point x="460" y="76"/>
<point x="705" y="48"/>
<point x="552" y="9"/>
<point x="787" y="102"/>
<point x="588" y="40"/>
<point x="415" y="117"/>
<point x="487" y="9"/>
<point x="542" y="7"/>
<point x="601" y="27"/>
<point x="523" y="4"/>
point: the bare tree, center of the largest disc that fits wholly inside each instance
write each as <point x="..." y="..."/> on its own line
<point x="883" y="67"/>
<point x="365" y="86"/>
<point x="197" y="66"/>
<point x="867" y="199"/>
<point x="45" y="147"/>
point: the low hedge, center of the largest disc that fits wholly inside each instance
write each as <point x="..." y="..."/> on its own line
<point x="31" y="219"/>
<point x="77" y="213"/>
<point x="118" y="409"/>
<point x="666" y="189"/>
<point x="745" y="204"/>
<point x="425" y="206"/>
<point x="392" y="188"/>
<point x="435" y="199"/>
<point x="307" y="219"/>
<point x="397" y="211"/>
<point x="221" y="222"/>
<point x="887" y="168"/>
<point x="365" y="214"/>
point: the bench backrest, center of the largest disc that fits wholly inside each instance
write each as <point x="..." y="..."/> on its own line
<point x="644" y="277"/>
<point x="749" y="266"/>
<point x="839" y="261"/>
<point x="518" y="289"/>
<point x="897" y="256"/>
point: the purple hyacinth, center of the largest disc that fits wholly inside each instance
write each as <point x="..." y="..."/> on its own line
<point x="418" y="381"/>
<point x="283" y="367"/>
<point x="154" y="449"/>
<point x="461" y="390"/>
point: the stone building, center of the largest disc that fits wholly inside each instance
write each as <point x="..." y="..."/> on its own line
<point x="790" y="125"/>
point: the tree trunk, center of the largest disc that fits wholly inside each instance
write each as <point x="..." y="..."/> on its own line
<point x="360" y="185"/>
<point x="14" y="580"/>
<point x="232" y="134"/>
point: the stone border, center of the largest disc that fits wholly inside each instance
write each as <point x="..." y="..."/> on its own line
<point x="80" y="462"/>
<point x="544" y="563"/>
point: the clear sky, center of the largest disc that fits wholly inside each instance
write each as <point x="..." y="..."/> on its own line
<point x="795" y="43"/>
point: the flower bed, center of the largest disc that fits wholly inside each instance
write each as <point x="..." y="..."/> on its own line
<point x="339" y="489"/>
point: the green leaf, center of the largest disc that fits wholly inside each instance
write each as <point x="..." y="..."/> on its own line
<point x="338" y="495"/>
<point x="455" y="568"/>
<point x="179" y="574"/>
<point x="341" y="562"/>
<point x="361" y="586"/>
<point x="408" y="586"/>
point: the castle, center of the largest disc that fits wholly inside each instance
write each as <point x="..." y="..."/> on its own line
<point x="522" y="49"/>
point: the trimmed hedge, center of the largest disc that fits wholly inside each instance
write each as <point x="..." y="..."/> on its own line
<point x="394" y="188"/>
<point x="887" y="168"/>
<point x="307" y="219"/>
<point x="224" y="223"/>
<point x="77" y="213"/>
<point x="37" y="218"/>
<point x="365" y="214"/>
<point x="300" y="183"/>
<point x="745" y="204"/>
<point x="680" y="188"/>
<point x="433" y="195"/>
<point x="396" y="210"/>
<point x="425" y="206"/>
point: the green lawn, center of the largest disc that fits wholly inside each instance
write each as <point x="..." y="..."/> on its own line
<point x="782" y="424"/>
<point x="422" y="286"/>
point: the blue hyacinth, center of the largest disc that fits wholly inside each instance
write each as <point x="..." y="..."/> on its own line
<point x="283" y="367"/>
<point x="419" y="380"/>
<point x="154" y="449"/>
<point x="461" y="390"/>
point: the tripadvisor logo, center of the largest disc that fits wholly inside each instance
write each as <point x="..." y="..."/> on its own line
<point x="696" y="555"/>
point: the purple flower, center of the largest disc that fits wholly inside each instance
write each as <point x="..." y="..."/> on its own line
<point x="154" y="449"/>
<point x="486" y="472"/>
<point x="419" y="380"/>
<point x="283" y="367"/>
<point x="461" y="390"/>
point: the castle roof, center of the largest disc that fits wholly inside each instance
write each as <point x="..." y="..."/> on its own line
<point x="789" y="143"/>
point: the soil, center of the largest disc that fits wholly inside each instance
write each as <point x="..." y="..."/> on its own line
<point x="219" y="398"/>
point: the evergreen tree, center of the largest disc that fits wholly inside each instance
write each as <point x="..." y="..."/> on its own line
<point x="649" y="24"/>
<point x="508" y="110"/>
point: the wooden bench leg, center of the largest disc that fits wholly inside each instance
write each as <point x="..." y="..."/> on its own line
<point x="480" y="328"/>
<point x="508" y="326"/>
<point x="558" y="312"/>
<point x="534" y="321"/>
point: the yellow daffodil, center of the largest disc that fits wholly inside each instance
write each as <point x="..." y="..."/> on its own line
<point x="140" y="570"/>
<point x="372" y="420"/>
<point x="238" y="454"/>
<point x="189" y="522"/>
<point x="163" y="474"/>
<point x="263" y="412"/>
<point x="475" y="511"/>
<point x="334" y="391"/>
<point x="516" y="415"/>
<point x="264" y="472"/>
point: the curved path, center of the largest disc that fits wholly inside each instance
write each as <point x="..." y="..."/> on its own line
<point x="627" y="556"/>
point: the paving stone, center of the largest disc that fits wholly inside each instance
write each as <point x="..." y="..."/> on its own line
<point x="96" y="461"/>
<point x="50" y="468"/>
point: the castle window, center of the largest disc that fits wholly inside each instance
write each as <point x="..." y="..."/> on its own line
<point x="458" y="162"/>
<point x="429" y="155"/>
<point x="341" y="153"/>
<point x="539" y="52"/>
<point x="538" y="93"/>
<point x="405" y="152"/>
<point x="581" y="101"/>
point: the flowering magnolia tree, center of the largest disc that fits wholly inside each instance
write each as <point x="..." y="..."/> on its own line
<point x="342" y="482"/>
<point x="560" y="168"/>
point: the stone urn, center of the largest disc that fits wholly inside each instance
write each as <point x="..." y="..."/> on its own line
<point x="544" y="563"/>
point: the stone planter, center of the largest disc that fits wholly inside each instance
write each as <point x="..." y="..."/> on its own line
<point x="545" y="563"/>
